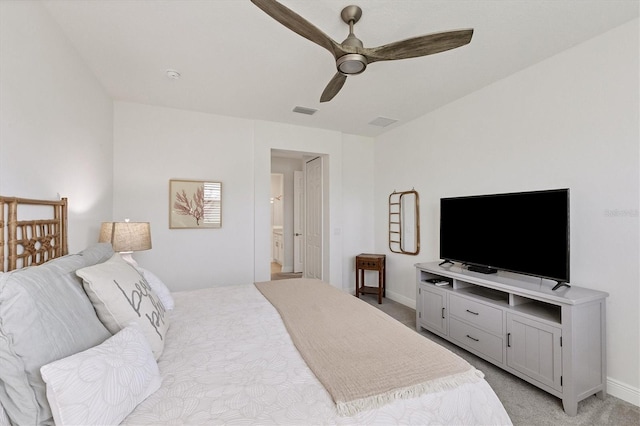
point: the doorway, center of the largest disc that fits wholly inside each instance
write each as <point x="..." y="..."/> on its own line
<point x="297" y="215"/>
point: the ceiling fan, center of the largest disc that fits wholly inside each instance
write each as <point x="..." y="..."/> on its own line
<point x="351" y="56"/>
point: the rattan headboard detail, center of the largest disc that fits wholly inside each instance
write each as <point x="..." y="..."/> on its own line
<point x="31" y="242"/>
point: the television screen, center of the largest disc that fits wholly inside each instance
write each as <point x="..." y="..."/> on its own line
<point x="525" y="232"/>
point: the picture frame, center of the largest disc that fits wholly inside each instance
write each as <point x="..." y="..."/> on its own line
<point x="195" y="204"/>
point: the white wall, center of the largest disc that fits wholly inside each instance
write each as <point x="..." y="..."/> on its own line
<point x="277" y="191"/>
<point x="153" y="145"/>
<point x="358" y="206"/>
<point x="56" y="121"/>
<point x="569" y="121"/>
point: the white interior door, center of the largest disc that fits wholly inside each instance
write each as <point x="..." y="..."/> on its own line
<point x="313" y="219"/>
<point x="298" y="221"/>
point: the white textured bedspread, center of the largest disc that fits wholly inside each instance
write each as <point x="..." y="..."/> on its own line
<point x="228" y="359"/>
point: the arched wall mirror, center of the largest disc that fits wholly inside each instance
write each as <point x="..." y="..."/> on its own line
<point x="404" y="222"/>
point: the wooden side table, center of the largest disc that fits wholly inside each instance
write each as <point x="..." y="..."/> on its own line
<point x="370" y="262"/>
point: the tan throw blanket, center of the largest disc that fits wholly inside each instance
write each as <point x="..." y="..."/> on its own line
<point x="362" y="356"/>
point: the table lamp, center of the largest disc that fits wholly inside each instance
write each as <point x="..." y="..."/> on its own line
<point x="126" y="237"/>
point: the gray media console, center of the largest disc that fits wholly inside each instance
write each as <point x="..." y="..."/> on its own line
<point x="555" y="340"/>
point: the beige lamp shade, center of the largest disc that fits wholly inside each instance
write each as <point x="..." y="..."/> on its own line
<point x="126" y="236"/>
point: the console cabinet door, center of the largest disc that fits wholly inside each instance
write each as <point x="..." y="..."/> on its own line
<point x="533" y="349"/>
<point x="432" y="303"/>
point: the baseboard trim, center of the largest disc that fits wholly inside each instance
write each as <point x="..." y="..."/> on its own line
<point x="401" y="299"/>
<point x="623" y="391"/>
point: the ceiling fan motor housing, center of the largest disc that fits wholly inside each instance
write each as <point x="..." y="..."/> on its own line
<point x="352" y="63"/>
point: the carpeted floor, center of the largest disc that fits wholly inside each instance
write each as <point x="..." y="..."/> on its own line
<point x="525" y="403"/>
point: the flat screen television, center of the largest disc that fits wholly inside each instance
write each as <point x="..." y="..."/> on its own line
<point x="524" y="232"/>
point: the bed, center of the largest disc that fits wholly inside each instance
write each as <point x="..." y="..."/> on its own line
<point x="87" y="338"/>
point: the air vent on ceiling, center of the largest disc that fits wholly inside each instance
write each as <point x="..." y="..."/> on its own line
<point x="382" y="121"/>
<point x="305" y="110"/>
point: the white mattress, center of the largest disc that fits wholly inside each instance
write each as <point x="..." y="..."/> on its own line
<point x="229" y="359"/>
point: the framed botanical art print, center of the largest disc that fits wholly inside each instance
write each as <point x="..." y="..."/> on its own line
<point x="195" y="204"/>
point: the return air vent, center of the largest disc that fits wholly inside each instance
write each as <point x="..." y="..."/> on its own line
<point x="382" y="121"/>
<point x="304" y="110"/>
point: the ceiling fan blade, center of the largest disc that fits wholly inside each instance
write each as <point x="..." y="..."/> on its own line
<point x="299" y="25"/>
<point x="419" y="46"/>
<point x="333" y="87"/>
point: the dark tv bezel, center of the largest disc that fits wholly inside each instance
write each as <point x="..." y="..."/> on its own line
<point x="497" y="267"/>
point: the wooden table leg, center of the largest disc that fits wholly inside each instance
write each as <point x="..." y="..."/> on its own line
<point x="384" y="281"/>
<point x="380" y="285"/>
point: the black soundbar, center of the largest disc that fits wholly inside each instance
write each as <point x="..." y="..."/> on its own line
<point x="482" y="269"/>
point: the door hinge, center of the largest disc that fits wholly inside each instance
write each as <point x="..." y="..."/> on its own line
<point x="419" y="314"/>
<point x="560" y="341"/>
<point x="560" y="380"/>
<point x="419" y="291"/>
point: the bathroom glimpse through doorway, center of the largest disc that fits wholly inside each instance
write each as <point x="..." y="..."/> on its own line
<point x="289" y="215"/>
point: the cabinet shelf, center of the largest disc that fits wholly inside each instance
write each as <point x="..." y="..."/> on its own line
<point x="489" y="294"/>
<point x="448" y="286"/>
<point x="540" y="311"/>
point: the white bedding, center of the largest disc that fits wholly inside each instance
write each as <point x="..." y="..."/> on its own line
<point x="228" y="359"/>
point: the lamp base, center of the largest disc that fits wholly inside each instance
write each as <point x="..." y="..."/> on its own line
<point x="126" y="256"/>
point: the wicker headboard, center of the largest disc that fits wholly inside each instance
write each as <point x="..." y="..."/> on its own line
<point x="31" y="242"/>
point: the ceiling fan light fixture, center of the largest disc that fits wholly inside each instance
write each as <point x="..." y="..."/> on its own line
<point x="351" y="64"/>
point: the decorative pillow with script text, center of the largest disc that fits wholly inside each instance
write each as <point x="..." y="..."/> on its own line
<point x="119" y="295"/>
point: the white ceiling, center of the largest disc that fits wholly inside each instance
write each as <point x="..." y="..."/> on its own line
<point x="236" y="60"/>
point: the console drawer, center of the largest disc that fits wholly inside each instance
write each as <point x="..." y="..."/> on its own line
<point x="370" y="263"/>
<point x="478" y="314"/>
<point x="474" y="338"/>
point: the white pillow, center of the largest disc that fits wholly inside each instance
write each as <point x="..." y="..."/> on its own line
<point x="45" y="315"/>
<point x="159" y="288"/>
<point x="102" y="385"/>
<point x="121" y="295"/>
<point x="4" y="420"/>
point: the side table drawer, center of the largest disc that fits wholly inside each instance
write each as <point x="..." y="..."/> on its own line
<point x="478" y="314"/>
<point x="474" y="338"/>
<point x="373" y="264"/>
